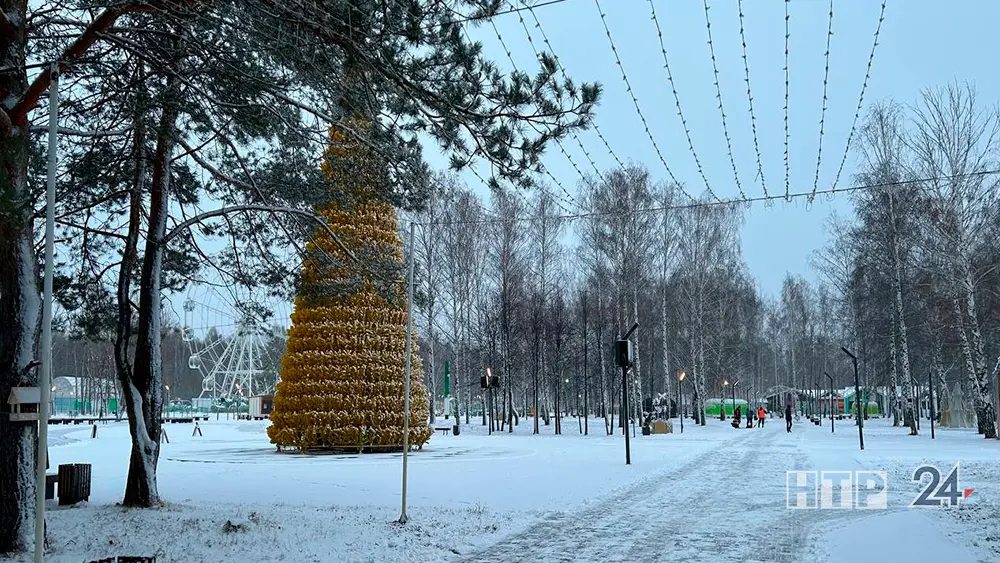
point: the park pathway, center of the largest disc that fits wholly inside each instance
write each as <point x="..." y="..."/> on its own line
<point x="726" y="504"/>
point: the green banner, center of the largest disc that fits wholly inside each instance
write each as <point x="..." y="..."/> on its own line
<point x="447" y="378"/>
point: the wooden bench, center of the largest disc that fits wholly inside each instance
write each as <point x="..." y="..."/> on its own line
<point x="442" y="429"/>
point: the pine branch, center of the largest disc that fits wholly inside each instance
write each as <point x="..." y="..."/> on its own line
<point x="225" y="211"/>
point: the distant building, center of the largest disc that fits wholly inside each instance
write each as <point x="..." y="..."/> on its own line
<point x="78" y="395"/>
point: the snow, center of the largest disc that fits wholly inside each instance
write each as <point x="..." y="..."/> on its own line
<point x="712" y="492"/>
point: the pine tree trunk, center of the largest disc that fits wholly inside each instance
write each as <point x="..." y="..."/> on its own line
<point x="19" y="330"/>
<point x="143" y="389"/>
<point x="20" y="301"/>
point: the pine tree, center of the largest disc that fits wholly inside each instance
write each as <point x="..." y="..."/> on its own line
<point x="342" y="377"/>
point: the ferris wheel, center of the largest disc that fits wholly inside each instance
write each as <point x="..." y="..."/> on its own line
<point x="235" y="337"/>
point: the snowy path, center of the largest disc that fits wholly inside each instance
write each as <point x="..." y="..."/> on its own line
<point x="728" y="502"/>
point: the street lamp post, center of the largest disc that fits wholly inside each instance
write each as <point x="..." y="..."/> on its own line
<point x="830" y="377"/>
<point x="624" y="352"/>
<point x="857" y="398"/>
<point x="722" y="411"/>
<point x="680" y="398"/>
<point x="734" y="397"/>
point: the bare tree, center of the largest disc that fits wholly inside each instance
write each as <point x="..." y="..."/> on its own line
<point x="954" y="141"/>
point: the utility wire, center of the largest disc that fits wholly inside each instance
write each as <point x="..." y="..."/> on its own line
<point x="718" y="96"/>
<point x="753" y="117"/>
<point x="861" y="98"/>
<point x="677" y="99"/>
<point x="822" y="119"/>
<point x="635" y="101"/>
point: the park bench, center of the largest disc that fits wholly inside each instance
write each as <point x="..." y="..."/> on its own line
<point x="442" y="429"/>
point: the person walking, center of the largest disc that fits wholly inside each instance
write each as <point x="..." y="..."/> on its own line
<point x="788" y="418"/>
<point x="736" y="417"/>
<point x="761" y="415"/>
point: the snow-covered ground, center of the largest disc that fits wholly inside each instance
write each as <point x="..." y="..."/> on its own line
<point x="710" y="493"/>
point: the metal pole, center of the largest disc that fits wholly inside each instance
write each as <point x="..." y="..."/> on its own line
<point x="734" y="397"/>
<point x="830" y="377"/>
<point x="680" y="402"/>
<point x="930" y="401"/>
<point x="857" y="399"/>
<point x="45" y="376"/>
<point x="624" y="414"/>
<point x="403" y="518"/>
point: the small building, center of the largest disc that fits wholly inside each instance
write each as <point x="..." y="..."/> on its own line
<point x="713" y="407"/>
<point x="202" y="404"/>
<point x="870" y="398"/>
<point x="831" y="403"/>
<point x="261" y="406"/>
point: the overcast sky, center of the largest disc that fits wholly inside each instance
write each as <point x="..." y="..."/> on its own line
<point x="923" y="43"/>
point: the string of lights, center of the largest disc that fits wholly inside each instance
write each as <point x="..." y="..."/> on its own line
<point x="562" y="149"/>
<point x="787" y="35"/>
<point x="635" y="101"/>
<point x="552" y="177"/>
<point x="538" y="55"/>
<point x="562" y="70"/>
<point x="861" y="98"/>
<point x="753" y="117"/>
<point x="822" y="119"/>
<point x="718" y="96"/>
<point x="677" y="100"/>
<point x="736" y="202"/>
<point x="512" y="10"/>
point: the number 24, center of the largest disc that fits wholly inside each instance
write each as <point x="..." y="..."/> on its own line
<point x="937" y="492"/>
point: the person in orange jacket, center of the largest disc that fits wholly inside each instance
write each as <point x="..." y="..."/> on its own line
<point x="760" y="417"/>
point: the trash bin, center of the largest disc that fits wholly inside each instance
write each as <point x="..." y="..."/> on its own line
<point x="74" y="483"/>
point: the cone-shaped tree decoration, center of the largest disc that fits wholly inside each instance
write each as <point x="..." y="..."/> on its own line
<point x="342" y="375"/>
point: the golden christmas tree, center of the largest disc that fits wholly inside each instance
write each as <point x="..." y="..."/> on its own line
<point x="342" y="375"/>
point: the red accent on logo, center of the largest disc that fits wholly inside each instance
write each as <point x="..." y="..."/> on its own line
<point x="968" y="492"/>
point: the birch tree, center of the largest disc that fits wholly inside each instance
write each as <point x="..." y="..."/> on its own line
<point x="954" y="140"/>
